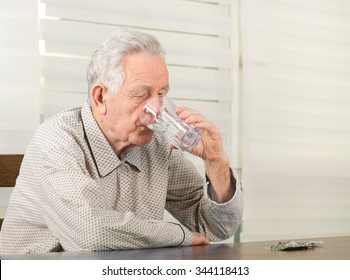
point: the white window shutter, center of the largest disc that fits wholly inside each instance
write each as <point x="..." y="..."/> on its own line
<point x="19" y="74"/>
<point x="296" y="120"/>
<point x="19" y="79"/>
<point x="197" y="36"/>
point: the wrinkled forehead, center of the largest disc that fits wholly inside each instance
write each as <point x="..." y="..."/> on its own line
<point x="144" y="62"/>
<point x="145" y="71"/>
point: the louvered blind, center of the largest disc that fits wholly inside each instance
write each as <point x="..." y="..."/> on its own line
<point x="19" y="79"/>
<point x="296" y="120"/>
<point x="19" y="74"/>
<point x="197" y="36"/>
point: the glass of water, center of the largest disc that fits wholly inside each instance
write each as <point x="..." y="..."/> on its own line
<point x="160" y="115"/>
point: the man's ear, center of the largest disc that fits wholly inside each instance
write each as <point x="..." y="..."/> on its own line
<point x="98" y="95"/>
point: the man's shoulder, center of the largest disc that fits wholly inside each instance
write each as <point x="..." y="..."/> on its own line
<point x="63" y="120"/>
<point x="60" y="128"/>
<point x="66" y="117"/>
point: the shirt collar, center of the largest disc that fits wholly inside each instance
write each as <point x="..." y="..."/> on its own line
<point x="133" y="157"/>
<point x="102" y="153"/>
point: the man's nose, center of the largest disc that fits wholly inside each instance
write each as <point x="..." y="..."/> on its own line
<point x="156" y="103"/>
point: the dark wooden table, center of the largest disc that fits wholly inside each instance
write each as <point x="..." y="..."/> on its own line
<point x="334" y="248"/>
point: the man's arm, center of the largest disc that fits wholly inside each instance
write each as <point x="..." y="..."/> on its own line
<point x="189" y="201"/>
<point x="210" y="149"/>
<point x="215" y="210"/>
<point x="221" y="188"/>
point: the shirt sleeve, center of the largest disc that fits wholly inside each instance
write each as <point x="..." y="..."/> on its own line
<point x="188" y="201"/>
<point x="77" y="216"/>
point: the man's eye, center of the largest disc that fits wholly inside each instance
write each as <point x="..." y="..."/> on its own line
<point x="142" y="96"/>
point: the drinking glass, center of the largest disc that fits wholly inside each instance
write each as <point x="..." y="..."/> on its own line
<point x="159" y="114"/>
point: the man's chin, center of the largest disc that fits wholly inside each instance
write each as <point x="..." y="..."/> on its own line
<point x="144" y="136"/>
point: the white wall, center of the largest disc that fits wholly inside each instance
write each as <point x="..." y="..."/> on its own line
<point x="296" y="120"/>
<point x="19" y="79"/>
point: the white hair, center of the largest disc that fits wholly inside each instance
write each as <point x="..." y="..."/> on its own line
<point x="105" y="65"/>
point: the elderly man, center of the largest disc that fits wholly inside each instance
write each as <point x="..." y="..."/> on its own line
<point x="96" y="178"/>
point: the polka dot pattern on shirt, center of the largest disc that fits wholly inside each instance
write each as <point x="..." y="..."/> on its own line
<point x="73" y="193"/>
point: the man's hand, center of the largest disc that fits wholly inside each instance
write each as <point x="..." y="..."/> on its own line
<point x="199" y="239"/>
<point x="211" y="151"/>
<point x="209" y="147"/>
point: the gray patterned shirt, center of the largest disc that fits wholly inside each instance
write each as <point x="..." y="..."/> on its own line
<point x="73" y="193"/>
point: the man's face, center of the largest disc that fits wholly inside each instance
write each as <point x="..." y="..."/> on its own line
<point x="145" y="77"/>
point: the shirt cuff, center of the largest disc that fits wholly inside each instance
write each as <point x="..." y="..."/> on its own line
<point x="186" y="235"/>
